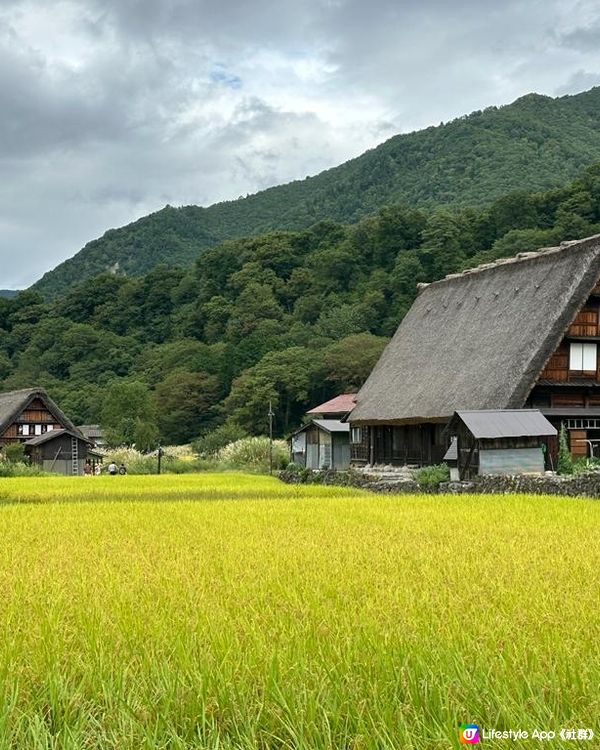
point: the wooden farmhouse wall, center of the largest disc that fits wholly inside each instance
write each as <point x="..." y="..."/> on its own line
<point x="34" y="420"/>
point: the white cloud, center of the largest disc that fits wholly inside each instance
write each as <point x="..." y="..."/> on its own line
<point x="112" y="108"/>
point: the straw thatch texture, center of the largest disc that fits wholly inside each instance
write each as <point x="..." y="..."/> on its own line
<point x="12" y="403"/>
<point x="479" y="340"/>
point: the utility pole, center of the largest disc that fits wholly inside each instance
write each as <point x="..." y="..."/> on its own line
<point x="160" y="452"/>
<point x="271" y="415"/>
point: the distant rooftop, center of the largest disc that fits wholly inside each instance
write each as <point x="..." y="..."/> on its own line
<point x="91" y="430"/>
<point x="339" y="405"/>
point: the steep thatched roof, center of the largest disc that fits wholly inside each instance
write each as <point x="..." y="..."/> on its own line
<point x="12" y="403"/>
<point x="479" y="340"/>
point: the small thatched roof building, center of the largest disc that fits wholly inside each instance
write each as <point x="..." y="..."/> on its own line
<point x="494" y="337"/>
<point x="30" y="417"/>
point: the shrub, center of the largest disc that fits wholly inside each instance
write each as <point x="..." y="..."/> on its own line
<point x="175" y="460"/>
<point x="253" y="454"/>
<point x="14" y="453"/>
<point x="18" y="469"/>
<point x="430" y="477"/>
<point x="586" y="465"/>
<point x="212" y="443"/>
<point x="564" y="464"/>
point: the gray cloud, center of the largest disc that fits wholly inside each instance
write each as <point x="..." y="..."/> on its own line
<point x="112" y="108"/>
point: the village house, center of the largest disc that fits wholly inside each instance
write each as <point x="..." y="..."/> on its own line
<point x="323" y="443"/>
<point x="50" y="439"/>
<point x="518" y="333"/>
<point x="94" y="433"/>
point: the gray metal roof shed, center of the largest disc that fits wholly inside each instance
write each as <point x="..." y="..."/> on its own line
<point x="490" y="424"/>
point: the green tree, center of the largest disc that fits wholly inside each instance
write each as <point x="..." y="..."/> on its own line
<point x="347" y="363"/>
<point x="212" y="443"/>
<point x="442" y="249"/>
<point x="185" y="405"/>
<point x="128" y="409"/>
<point x="286" y="379"/>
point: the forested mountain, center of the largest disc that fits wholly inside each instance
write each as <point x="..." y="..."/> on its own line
<point x="535" y="143"/>
<point x="286" y="317"/>
<point x="7" y="293"/>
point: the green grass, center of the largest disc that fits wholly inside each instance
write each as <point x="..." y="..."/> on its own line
<point x="230" y="611"/>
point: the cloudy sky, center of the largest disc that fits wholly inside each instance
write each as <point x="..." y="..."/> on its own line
<point x="109" y="109"/>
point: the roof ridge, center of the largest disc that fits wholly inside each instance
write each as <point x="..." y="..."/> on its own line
<point x="480" y="342"/>
<point x="520" y="257"/>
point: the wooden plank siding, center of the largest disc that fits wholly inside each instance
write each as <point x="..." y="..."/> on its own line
<point x="557" y="367"/>
<point x="578" y="444"/>
<point x="586" y="323"/>
<point x="35" y="413"/>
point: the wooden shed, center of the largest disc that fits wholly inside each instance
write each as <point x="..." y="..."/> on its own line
<point x="60" y="451"/>
<point x="507" y="441"/>
<point x="322" y="444"/>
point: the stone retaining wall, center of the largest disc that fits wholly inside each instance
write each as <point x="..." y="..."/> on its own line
<point x="579" y="485"/>
<point x="574" y="486"/>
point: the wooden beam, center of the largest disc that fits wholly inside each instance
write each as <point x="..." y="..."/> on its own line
<point x="469" y="459"/>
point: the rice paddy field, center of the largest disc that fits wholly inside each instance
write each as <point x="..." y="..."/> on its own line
<point x="230" y="611"/>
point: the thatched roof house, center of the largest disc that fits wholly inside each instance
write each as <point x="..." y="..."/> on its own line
<point x="30" y="417"/>
<point x="504" y="335"/>
<point x="29" y="412"/>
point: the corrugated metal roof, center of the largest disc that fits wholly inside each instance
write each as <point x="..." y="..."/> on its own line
<point x="332" y="425"/>
<point x="53" y="434"/>
<point x="342" y="404"/>
<point x="490" y="424"/>
<point x="329" y="425"/>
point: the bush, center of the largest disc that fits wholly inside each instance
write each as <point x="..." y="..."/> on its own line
<point x="19" y="469"/>
<point x="253" y="454"/>
<point x="175" y="460"/>
<point x="247" y="454"/>
<point x="564" y="464"/>
<point x="586" y="465"/>
<point x="430" y="477"/>
<point x="212" y="443"/>
<point x="14" y="453"/>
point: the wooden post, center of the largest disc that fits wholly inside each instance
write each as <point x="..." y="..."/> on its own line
<point x="271" y="415"/>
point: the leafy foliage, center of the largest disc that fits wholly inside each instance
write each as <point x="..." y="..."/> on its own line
<point x="14" y="453"/>
<point x="212" y="443"/>
<point x="287" y="318"/>
<point x="430" y="477"/>
<point x="564" y="464"/>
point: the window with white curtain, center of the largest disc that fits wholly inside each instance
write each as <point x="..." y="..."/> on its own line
<point x="583" y="357"/>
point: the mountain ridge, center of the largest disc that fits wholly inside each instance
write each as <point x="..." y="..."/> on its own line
<point x="535" y="143"/>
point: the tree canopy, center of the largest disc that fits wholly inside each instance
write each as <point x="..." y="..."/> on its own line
<point x="291" y="318"/>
